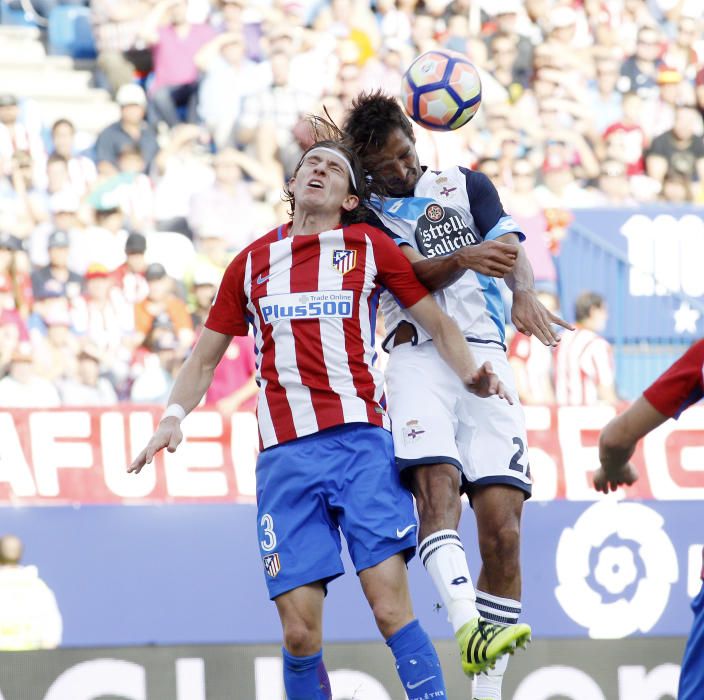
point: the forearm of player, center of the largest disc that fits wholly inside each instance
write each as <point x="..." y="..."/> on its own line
<point x="437" y="273"/>
<point x="619" y="438"/>
<point x="195" y="376"/>
<point x="520" y="279"/>
<point x="446" y="335"/>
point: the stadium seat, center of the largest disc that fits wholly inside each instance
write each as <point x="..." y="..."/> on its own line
<point x="173" y="250"/>
<point x="70" y="32"/>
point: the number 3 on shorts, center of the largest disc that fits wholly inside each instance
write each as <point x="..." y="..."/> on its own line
<point x="269" y="541"/>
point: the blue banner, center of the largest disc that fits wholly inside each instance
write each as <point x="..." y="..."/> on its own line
<point x="646" y="262"/>
<point x="182" y="574"/>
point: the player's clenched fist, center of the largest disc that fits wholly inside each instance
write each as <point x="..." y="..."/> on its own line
<point x="485" y="382"/>
<point x="168" y="435"/>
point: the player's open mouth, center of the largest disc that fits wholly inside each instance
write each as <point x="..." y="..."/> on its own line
<point x="316" y="184"/>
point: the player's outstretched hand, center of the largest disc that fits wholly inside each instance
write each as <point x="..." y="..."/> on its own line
<point x="610" y="480"/>
<point x="168" y="435"/>
<point x="485" y="382"/>
<point x="491" y="258"/>
<point x="532" y="318"/>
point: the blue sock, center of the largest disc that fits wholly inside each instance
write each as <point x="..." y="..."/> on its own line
<point x="305" y="677"/>
<point x="417" y="662"/>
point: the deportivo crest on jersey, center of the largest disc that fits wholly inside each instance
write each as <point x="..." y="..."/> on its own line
<point x="272" y="564"/>
<point x="344" y="260"/>
<point x="442" y="230"/>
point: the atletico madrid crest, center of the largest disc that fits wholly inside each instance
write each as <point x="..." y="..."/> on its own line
<point x="344" y="260"/>
<point x="272" y="565"/>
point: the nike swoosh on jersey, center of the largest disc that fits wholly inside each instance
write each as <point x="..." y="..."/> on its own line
<point x="413" y="686"/>
<point x="261" y="280"/>
<point x="403" y="533"/>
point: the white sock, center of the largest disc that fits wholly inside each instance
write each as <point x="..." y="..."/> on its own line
<point x="500" y="611"/>
<point x="442" y="554"/>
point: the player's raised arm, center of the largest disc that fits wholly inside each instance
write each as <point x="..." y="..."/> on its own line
<point x="191" y="384"/>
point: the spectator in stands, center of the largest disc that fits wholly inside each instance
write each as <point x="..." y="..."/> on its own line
<point x="161" y="365"/>
<point x="182" y="169"/>
<point x="533" y="362"/>
<point x="129" y="277"/>
<point x="613" y="185"/>
<point x="50" y="299"/>
<point x="639" y="71"/>
<point x="162" y="300"/>
<point x="12" y="332"/>
<point x="205" y="283"/>
<point x="18" y="135"/>
<point x="81" y="169"/>
<point x="520" y="199"/>
<point x="23" y="205"/>
<point x="29" y="617"/>
<point x="230" y="199"/>
<point x="584" y="362"/>
<point x="676" y="189"/>
<point x="116" y="27"/>
<point x="234" y="387"/>
<point x="104" y="241"/>
<point x="603" y="96"/>
<point x="12" y="274"/>
<point x="55" y="353"/>
<point x="57" y="269"/>
<point x="132" y="190"/>
<point x="131" y="130"/>
<point x="269" y="115"/>
<point x="227" y="71"/>
<point x="678" y="150"/>
<point x="22" y="388"/>
<point x="175" y="42"/>
<point x="504" y="66"/>
<point x="88" y="387"/>
<point x="103" y="318"/>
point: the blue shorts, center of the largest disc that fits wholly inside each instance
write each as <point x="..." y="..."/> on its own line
<point x="692" y="675"/>
<point x="309" y="489"/>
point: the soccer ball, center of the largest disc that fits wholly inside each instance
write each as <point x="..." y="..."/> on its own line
<point x="441" y="90"/>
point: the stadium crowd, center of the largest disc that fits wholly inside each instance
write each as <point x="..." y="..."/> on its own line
<point x="111" y="248"/>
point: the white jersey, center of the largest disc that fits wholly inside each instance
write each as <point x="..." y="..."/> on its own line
<point x="449" y="210"/>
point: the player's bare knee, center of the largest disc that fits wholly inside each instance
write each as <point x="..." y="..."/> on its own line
<point x="301" y="639"/>
<point x="391" y="616"/>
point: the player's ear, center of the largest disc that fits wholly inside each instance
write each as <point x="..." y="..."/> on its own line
<point x="350" y="202"/>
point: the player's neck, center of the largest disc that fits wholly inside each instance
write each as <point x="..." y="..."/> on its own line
<point x="306" y="223"/>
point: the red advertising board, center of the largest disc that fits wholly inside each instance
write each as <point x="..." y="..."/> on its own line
<point x="80" y="456"/>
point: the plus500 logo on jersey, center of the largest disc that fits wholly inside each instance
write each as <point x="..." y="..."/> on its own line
<point x="284" y="307"/>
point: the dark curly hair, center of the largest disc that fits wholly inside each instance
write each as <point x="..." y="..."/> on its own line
<point x="332" y="138"/>
<point x="370" y="120"/>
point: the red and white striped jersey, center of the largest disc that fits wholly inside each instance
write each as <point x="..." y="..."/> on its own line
<point x="584" y="361"/>
<point x="312" y="300"/>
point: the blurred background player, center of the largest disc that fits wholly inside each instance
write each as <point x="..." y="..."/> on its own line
<point x="444" y="441"/>
<point x="672" y="392"/>
<point x="584" y="360"/>
<point x="29" y="615"/>
<point x="319" y="415"/>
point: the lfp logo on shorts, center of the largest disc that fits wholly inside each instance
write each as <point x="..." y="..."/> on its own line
<point x="284" y="307"/>
<point x="615" y="568"/>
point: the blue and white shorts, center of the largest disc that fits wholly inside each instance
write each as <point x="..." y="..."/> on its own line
<point x="435" y="420"/>
<point x="310" y="489"/>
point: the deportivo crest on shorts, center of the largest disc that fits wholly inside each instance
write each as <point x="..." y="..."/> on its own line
<point x="344" y="260"/>
<point x="272" y="564"/>
<point x="412" y="432"/>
